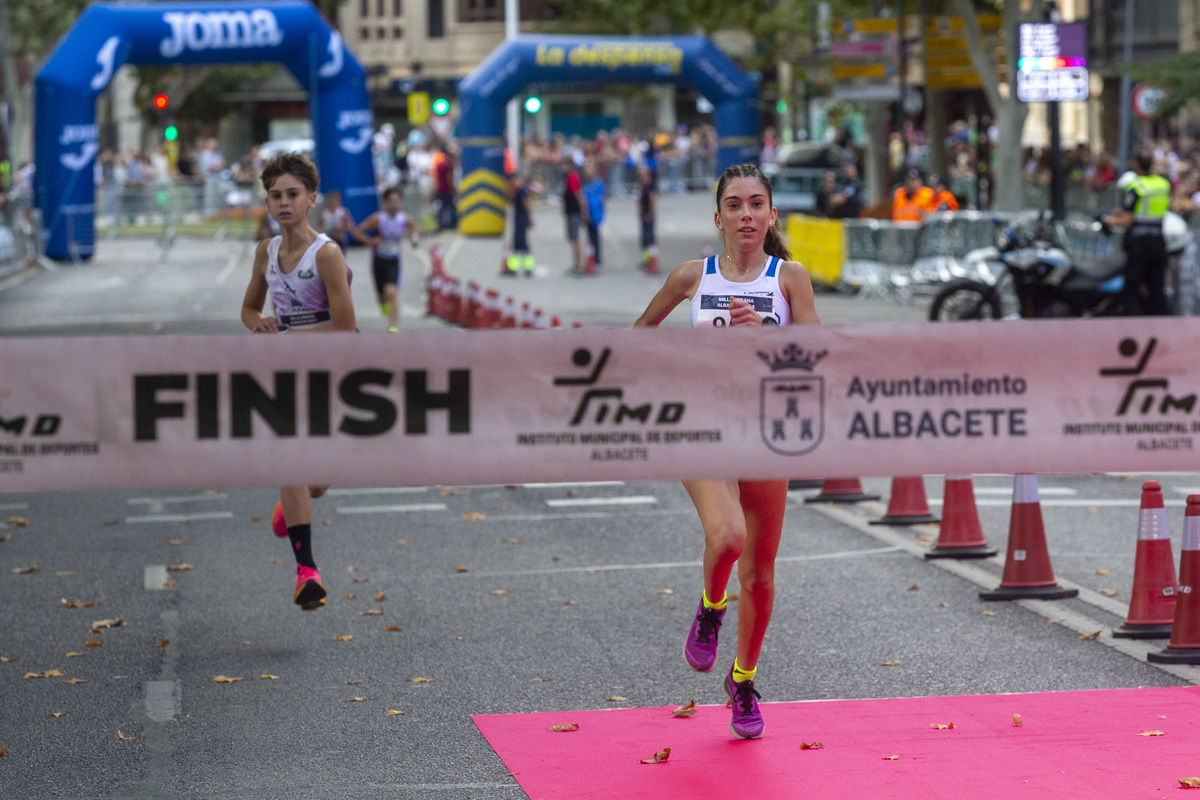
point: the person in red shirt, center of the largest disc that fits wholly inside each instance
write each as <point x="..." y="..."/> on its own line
<point x="913" y="200"/>
<point x="443" y="190"/>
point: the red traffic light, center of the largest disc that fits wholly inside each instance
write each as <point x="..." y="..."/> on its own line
<point x="161" y="101"/>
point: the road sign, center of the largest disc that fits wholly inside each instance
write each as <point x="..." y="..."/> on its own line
<point x="1146" y="101"/>
<point x="843" y="71"/>
<point x="418" y="108"/>
<point x="1049" y="85"/>
<point x="876" y="92"/>
<point x="869" y="48"/>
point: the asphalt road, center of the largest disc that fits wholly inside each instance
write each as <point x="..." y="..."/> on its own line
<point x="509" y="599"/>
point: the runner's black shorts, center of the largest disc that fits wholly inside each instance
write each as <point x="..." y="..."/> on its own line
<point x="386" y="270"/>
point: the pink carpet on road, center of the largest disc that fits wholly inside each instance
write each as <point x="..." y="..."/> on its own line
<point x="1069" y="745"/>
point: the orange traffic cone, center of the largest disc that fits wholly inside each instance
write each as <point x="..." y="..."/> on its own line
<point x="1184" y="647"/>
<point x="526" y="316"/>
<point x="907" y="504"/>
<point x="539" y="319"/>
<point x="509" y="318"/>
<point x="841" y="490"/>
<point x="1027" y="570"/>
<point x="961" y="535"/>
<point x="1152" y="600"/>
<point x="468" y="311"/>
<point x="453" y="300"/>
<point x="436" y="258"/>
<point x="433" y="287"/>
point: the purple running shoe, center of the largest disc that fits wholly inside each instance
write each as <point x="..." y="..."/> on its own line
<point x="747" y="721"/>
<point x="700" y="649"/>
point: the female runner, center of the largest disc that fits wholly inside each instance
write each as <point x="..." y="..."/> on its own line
<point x="310" y="285"/>
<point x="752" y="282"/>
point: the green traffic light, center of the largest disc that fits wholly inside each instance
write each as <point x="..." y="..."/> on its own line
<point x="171" y="133"/>
<point x="441" y="106"/>
<point x="781" y="106"/>
<point x="533" y="105"/>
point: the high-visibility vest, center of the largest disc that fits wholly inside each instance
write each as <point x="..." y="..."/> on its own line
<point x="945" y="197"/>
<point x="1153" y="197"/>
<point x="912" y="208"/>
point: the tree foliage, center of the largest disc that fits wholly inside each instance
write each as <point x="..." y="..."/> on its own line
<point x="1179" y="74"/>
<point x="37" y="27"/>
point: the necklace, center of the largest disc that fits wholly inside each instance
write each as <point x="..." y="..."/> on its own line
<point x="741" y="271"/>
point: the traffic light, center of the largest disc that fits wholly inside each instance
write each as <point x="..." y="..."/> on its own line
<point x="533" y="104"/>
<point x="170" y="133"/>
<point x="441" y="106"/>
<point x="161" y="101"/>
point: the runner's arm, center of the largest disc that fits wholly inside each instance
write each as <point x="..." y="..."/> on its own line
<point x="797" y="288"/>
<point x="256" y="295"/>
<point x="331" y="266"/>
<point x="680" y="285"/>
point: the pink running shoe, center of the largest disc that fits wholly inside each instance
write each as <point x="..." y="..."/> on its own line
<point x="310" y="593"/>
<point x="277" y="523"/>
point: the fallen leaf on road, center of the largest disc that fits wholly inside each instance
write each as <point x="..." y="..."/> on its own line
<point x="73" y="654"/>
<point x="499" y="591"/>
<point x="943" y="605"/>
<point x="460" y="569"/>
<point x="354" y="682"/>
<point x="358" y="699"/>
<point x="346" y="638"/>
<point x="731" y="597"/>
<point x="370" y="612"/>
<point x="449" y="490"/>
<point x="667" y="591"/>
<point x="351" y="596"/>
<point x="256" y="517"/>
<point x="267" y="677"/>
<point x="1017" y="720"/>
<point x="74" y="681"/>
<point x="17" y="522"/>
<point x="473" y="515"/>
<point x="1152" y="733"/>
<point x="179" y="567"/>
<point x="75" y="603"/>
<point x="351" y="569"/>
<point x="362" y="580"/>
<point x="6" y="537"/>
<point x="940" y="726"/>
<point x="177" y="542"/>
<point x="1108" y="592"/>
<point x="327" y="522"/>
<point x="393" y="712"/>
<point x="62" y="573"/>
<point x="393" y="628"/>
<point x="891" y="663"/>
<point x="420" y="680"/>
<point x="163" y="643"/>
<point x="659" y="757"/>
<point x="1087" y="637"/>
<point x="570" y="603"/>
<point x="1102" y="572"/>
<point x="573" y="493"/>
<point x="57" y="714"/>
<point x="223" y="679"/>
<point x="50" y="673"/>
<point x="3" y="751"/>
<point x="379" y="598"/>
<point x="891" y="758"/>
<point x="685" y="711"/>
<point x="989" y="613"/>
<point x="1054" y="621"/>
<point x="590" y="571"/>
<point x="1187" y="783"/>
<point x="168" y="584"/>
<point x="26" y="570"/>
<point x="913" y="588"/>
<point x="95" y="643"/>
<point x="114" y="622"/>
<point x="616" y="698"/>
<point x="541" y="680"/>
<point x="4" y="660"/>
<point x="811" y="746"/>
<point x="126" y="737"/>
<point x="402" y="541"/>
<point x="565" y="728"/>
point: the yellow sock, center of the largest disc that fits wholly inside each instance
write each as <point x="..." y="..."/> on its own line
<point x="718" y="606"/>
<point x="742" y="675"/>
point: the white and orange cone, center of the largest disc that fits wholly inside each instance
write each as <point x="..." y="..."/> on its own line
<point x="961" y="535"/>
<point x="1027" y="569"/>
<point x="841" y="490"/>
<point x="907" y="504"/>
<point x="1152" y="599"/>
<point x="1184" y="646"/>
<point x="509" y="318"/>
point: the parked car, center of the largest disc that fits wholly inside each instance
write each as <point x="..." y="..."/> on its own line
<point x="269" y="149"/>
<point x="796" y="175"/>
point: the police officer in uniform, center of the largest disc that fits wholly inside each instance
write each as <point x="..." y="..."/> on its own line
<point x="1144" y="205"/>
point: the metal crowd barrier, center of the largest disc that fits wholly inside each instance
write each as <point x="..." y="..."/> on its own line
<point x="20" y="239"/>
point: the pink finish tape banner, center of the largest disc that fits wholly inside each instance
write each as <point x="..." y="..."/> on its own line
<point x="455" y="407"/>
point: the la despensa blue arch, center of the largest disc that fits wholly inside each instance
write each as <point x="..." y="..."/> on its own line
<point x="594" y="60"/>
<point x="109" y="35"/>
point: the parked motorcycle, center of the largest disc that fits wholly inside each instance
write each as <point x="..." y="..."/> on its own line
<point x="1028" y="274"/>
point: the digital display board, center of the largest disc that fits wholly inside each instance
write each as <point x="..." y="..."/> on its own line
<point x="1052" y="61"/>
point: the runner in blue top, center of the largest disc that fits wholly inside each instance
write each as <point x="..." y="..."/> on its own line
<point x="752" y="283"/>
<point x="310" y="285"/>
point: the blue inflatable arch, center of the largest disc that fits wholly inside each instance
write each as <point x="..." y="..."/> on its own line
<point x="691" y="60"/>
<point x="109" y="35"/>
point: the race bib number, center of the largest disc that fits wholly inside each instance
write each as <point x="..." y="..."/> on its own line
<point x="714" y="309"/>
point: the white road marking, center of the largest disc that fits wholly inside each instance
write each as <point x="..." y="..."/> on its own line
<point x="162" y="700"/>
<point x="1042" y="490"/>
<point x="876" y="551"/>
<point x="600" y="501"/>
<point x="379" y="490"/>
<point x="154" y="577"/>
<point x="14" y="506"/>
<point x="577" y="483"/>
<point x="1107" y="502"/>
<point x="230" y="268"/>
<point x="402" y="509"/>
<point x="207" y="515"/>
<point x="157" y="501"/>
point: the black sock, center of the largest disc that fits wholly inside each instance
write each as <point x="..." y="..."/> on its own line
<point x="301" y="538"/>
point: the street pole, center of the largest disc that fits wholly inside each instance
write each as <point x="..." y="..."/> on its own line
<point x="10" y="83"/>
<point x="1124" y="146"/>
<point x="513" y="109"/>
<point x="902" y="68"/>
<point x="1058" y="178"/>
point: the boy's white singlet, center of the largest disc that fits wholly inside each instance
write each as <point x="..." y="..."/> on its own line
<point x="710" y="304"/>
<point x="391" y="230"/>
<point x="299" y="295"/>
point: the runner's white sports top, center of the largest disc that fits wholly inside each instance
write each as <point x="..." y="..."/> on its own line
<point x="710" y="304"/>
<point x="391" y="230"/>
<point x="299" y="295"/>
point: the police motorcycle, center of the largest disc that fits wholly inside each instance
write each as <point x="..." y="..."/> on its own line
<point x="1027" y="273"/>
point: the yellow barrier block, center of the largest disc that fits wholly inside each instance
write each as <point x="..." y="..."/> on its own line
<point x="818" y="245"/>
